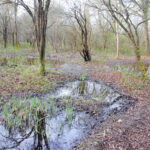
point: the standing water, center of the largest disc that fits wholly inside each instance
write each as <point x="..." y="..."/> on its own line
<point x="66" y="128"/>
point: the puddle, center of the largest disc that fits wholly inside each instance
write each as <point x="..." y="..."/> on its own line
<point x="61" y="134"/>
<point x="66" y="128"/>
<point x="132" y="69"/>
<point x="87" y="90"/>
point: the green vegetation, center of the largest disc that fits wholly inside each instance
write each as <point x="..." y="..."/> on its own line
<point x="11" y="49"/>
<point x="83" y="77"/>
<point x="19" y="111"/>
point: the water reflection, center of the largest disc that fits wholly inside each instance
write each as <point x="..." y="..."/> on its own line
<point x="51" y="133"/>
<point x="64" y="129"/>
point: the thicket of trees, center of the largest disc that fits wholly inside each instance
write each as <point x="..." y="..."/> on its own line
<point x="84" y="26"/>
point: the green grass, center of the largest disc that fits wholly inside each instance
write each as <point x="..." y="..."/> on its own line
<point x="25" y="45"/>
<point x="10" y="61"/>
<point x="11" y="49"/>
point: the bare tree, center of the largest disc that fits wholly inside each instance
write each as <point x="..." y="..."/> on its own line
<point x="124" y="18"/>
<point x="142" y="11"/>
<point x="39" y="18"/>
<point x="80" y="16"/>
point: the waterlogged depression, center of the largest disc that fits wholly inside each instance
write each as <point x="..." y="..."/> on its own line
<point x="67" y="128"/>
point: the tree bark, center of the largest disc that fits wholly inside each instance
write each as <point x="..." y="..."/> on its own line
<point x="15" y="30"/>
<point x="147" y="45"/>
<point x="13" y="39"/>
<point x="138" y="59"/>
<point x="145" y="8"/>
<point x="40" y="24"/>
<point x="5" y="36"/>
<point x="42" y="53"/>
<point x="117" y="41"/>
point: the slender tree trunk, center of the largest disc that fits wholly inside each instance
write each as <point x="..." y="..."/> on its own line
<point x="117" y="40"/>
<point x="85" y="52"/>
<point x="15" y="31"/>
<point x="41" y="38"/>
<point x="138" y="59"/>
<point x="145" y="4"/>
<point x="40" y="24"/>
<point x="105" y="43"/>
<point x="13" y="39"/>
<point x="42" y="56"/>
<point x="147" y="45"/>
<point x="5" y="37"/>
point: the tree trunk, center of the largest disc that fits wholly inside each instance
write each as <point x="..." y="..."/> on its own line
<point x="5" y="37"/>
<point x="41" y="48"/>
<point x="13" y="39"/>
<point x="145" y="4"/>
<point x="39" y="18"/>
<point x="117" y="41"/>
<point x="15" y="31"/>
<point x="138" y="59"/>
<point x="86" y="53"/>
<point x="40" y="31"/>
<point x="42" y="58"/>
<point x="42" y="41"/>
<point x="146" y="38"/>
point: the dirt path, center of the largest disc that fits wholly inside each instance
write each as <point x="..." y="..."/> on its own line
<point x="75" y="69"/>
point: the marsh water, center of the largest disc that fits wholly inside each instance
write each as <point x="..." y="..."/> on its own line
<point x="66" y="128"/>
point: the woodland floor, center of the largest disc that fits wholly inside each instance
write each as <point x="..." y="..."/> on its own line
<point x="131" y="129"/>
<point x="128" y="131"/>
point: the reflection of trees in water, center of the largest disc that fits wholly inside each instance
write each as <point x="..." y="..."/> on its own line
<point x="91" y="89"/>
<point x="17" y="141"/>
<point x="39" y="130"/>
<point x="82" y="86"/>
